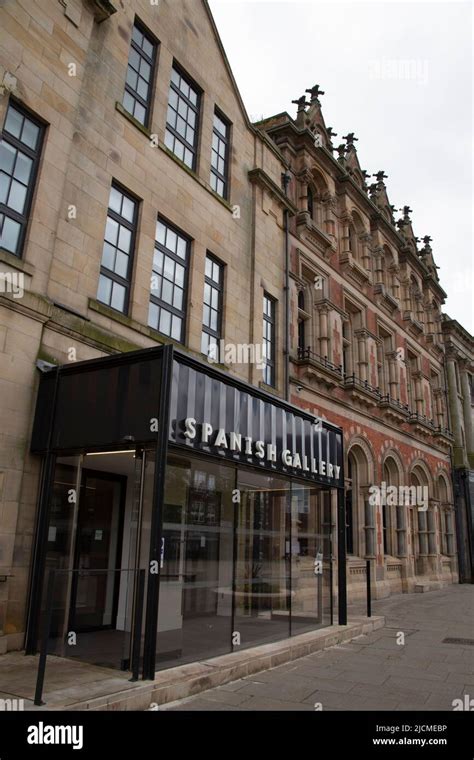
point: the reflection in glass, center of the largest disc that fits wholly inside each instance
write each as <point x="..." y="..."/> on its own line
<point x="195" y="603"/>
<point x="262" y="573"/>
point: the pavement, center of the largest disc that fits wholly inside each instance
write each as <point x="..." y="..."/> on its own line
<point x="383" y="670"/>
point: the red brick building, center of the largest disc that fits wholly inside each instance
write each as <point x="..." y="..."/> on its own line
<point x="366" y="352"/>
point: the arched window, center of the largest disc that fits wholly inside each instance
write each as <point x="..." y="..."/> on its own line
<point x="360" y="513"/>
<point x="392" y="515"/>
<point x="350" y="542"/>
<point x="416" y="300"/>
<point x="302" y="347"/>
<point x="310" y="203"/>
<point x="422" y="520"/>
<point x="388" y="276"/>
<point x="353" y="242"/>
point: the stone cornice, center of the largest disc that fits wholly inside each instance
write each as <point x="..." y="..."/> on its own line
<point x="260" y="177"/>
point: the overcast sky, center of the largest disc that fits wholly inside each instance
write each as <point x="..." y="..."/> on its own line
<point x="399" y="75"/>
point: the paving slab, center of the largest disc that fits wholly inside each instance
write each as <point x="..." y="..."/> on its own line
<point x="373" y="672"/>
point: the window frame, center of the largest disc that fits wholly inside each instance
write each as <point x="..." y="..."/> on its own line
<point x="183" y="313"/>
<point x="152" y="63"/>
<point x="35" y="155"/>
<point x="217" y="334"/>
<point x="133" y="227"/>
<point x="271" y="320"/>
<point x="195" y="107"/>
<point x="226" y="140"/>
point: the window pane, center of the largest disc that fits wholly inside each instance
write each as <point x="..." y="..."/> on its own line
<point x="142" y="88"/>
<point x="188" y="158"/>
<point x="118" y="297"/>
<point x="169" y="268"/>
<point x="173" y="98"/>
<point x="139" y="113"/>
<point x="160" y="232"/>
<point x="208" y="267"/>
<point x="115" y="200"/>
<point x="104" y="290"/>
<point x="128" y="209"/>
<point x="134" y="59"/>
<point x="137" y="36"/>
<point x="7" y="157"/>
<point x="158" y="261"/>
<point x="181" y="247"/>
<point x="176" y="328"/>
<point x="181" y="126"/>
<point x="128" y="102"/>
<point x="179" y="275"/>
<point x="125" y="239"/>
<point x="111" y="230"/>
<point x="169" y="140"/>
<point x="10" y="234"/>
<point x="13" y="122"/>
<point x="167" y="292"/>
<point x="108" y="256"/>
<point x="153" y="315"/>
<point x="165" y="322"/>
<point x="30" y="133"/>
<point x="121" y="265"/>
<point x="216" y="272"/>
<point x="145" y="70"/>
<point x="171" y="240"/>
<point x="4" y="187"/>
<point x="175" y="76"/>
<point x="132" y="78"/>
<point x="147" y="48"/>
<point x="179" y="149"/>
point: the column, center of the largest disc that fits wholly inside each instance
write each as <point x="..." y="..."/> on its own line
<point x="466" y="407"/>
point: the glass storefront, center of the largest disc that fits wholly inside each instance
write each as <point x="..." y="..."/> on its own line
<point x="194" y="523"/>
<point x="245" y="560"/>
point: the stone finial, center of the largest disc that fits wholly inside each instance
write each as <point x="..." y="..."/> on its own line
<point x="330" y="132"/>
<point x="341" y="150"/>
<point x="380" y="175"/>
<point x="301" y="103"/>
<point x="315" y="92"/>
<point x="406" y="213"/>
<point x="350" y="139"/>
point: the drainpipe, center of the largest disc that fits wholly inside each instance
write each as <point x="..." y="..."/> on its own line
<point x="286" y="177"/>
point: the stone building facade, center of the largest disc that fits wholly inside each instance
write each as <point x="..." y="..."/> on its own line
<point x="112" y="145"/>
<point x="142" y="208"/>
<point x="367" y="350"/>
<point x="459" y="346"/>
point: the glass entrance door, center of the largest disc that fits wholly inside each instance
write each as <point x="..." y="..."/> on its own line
<point x="98" y="538"/>
<point x="95" y="587"/>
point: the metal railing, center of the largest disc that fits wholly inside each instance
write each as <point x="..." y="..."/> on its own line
<point x="308" y="353"/>
<point x="72" y="577"/>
